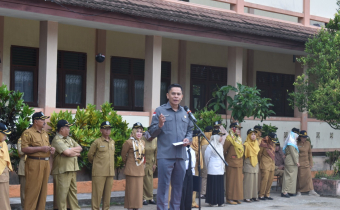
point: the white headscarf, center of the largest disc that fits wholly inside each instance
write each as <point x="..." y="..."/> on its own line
<point x="291" y="141"/>
<point x="214" y="140"/>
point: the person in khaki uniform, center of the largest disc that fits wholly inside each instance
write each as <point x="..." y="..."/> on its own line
<point x="150" y="167"/>
<point x="194" y="147"/>
<point x="21" y="173"/>
<point x="279" y="163"/>
<point x="233" y="154"/>
<point x="304" y="177"/>
<point x="258" y="130"/>
<point x="291" y="151"/>
<point x="250" y="167"/>
<point x="204" y="144"/>
<point x="35" y="144"/>
<point x="267" y="165"/>
<point x="65" y="167"/>
<point x="5" y="167"/>
<point x="133" y="156"/>
<point x="102" y="157"/>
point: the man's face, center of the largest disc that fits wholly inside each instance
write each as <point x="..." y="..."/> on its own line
<point x="40" y="123"/>
<point x="105" y="131"/>
<point x="175" y="96"/>
<point x="277" y="148"/>
<point x="64" y="131"/>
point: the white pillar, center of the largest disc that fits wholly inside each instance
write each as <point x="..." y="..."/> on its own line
<point x="152" y="75"/>
<point x="48" y="50"/>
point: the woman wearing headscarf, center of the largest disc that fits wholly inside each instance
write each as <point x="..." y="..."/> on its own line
<point x="267" y="165"/>
<point x="233" y="154"/>
<point x="215" y="167"/>
<point x="5" y="167"/>
<point x="204" y="143"/>
<point x="304" y="177"/>
<point x="291" y="151"/>
<point x="133" y="156"/>
<point x="250" y="167"/>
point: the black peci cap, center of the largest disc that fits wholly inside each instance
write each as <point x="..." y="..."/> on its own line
<point x="273" y="137"/>
<point x="208" y="129"/>
<point x="295" y="130"/>
<point x="217" y="132"/>
<point x="39" y="116"/>
<point x="251" y="130"/>
<point x="195" y="133"/>
<point x="63" y="123"/>
<point x="4" y="129"/>
<point x="138" y="125"/>
<point x="258" y="128"/>
<point x="106" y="124"/>
<point x="235" y="125"/>
<point x="303" y="133"/>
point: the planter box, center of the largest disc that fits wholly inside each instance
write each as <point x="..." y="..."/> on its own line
<point x="327" y="187"/>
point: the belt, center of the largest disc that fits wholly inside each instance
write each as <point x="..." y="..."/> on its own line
<point x="38" y="158"/>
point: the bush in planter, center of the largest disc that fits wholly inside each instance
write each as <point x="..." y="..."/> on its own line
<point x="332" y="157"/>
<point x="206" y="118"/>
<point x="16" y="115"/>
<point x="86" y="129"/>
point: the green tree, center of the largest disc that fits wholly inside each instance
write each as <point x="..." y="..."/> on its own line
<point x="318" y="89"/>
<point x="16" y="115"/>
<point x="206" y="118"/>
<point x="246" y="102"/>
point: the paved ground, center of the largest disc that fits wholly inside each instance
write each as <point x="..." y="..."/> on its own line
<point x="303" y="202"/>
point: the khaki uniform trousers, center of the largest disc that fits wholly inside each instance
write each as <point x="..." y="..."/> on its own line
<point x="36" y="173"/>
<point x="4" y="190"/>
<point x="101" y="189"/>
<point x="66" y="190"/>
<point x="279" y="173"/>
<point x="266" y="182"/>
<point x="22" y="180"/>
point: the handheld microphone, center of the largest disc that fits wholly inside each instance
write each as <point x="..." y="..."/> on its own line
<point x="191" y="116"/>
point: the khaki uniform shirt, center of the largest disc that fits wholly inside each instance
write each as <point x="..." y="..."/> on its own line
<point x="266" y="162"/>
<point x="131" y="169"/>
<point x="231" y="156"/>
<point x="21" y="169"/>
<point x="62" y="163"/>
<point x="150" y="156"/>
<point x="102" y="157"/>
<point x="305" y="154"/>
<point x="33" y="138"/>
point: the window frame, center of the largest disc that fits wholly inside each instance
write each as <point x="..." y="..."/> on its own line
<point x="282" y="89"/>
<point x="61" y="73"/>
<point x="35" y="71"/>
<point x="208" y="83"/>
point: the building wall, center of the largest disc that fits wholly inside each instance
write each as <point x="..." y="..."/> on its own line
<point x="325" y="131"/>
<point x="324" y="8"/>
<point x="19" y="32"/>
<point x="71" y="38"/>
<point x="273" y="62"/>
<point x="170" y="53"/>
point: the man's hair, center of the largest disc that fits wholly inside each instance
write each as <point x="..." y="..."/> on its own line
<point x="174" y="85"/>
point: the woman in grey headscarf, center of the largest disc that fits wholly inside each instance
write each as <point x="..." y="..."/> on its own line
<point x="291" y="151"/>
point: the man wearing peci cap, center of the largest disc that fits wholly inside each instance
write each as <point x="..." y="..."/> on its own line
<point x="35" y="144"/>
<point x="102" y="157"/>
<point x="65" y="166"/>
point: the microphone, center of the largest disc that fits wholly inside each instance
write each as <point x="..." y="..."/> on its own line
<point x="191" y="116"/>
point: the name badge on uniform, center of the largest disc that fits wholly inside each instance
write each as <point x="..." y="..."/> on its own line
<point x="102" y="146"/>
<point x="166" y="115"/>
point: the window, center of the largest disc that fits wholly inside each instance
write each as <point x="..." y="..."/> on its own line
<point x="127" y="83"/>
<point x="204" y="81"/>
<point x="24" y="72"/>
<point x="71" y="79"/>
<point x="275" y="86"/>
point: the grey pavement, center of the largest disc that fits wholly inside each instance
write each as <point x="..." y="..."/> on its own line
<point x="304" y="202"/>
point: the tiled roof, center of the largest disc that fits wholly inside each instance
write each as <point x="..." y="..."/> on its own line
<point x="193" y="15"/>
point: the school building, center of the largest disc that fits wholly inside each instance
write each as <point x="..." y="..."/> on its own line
<point x="48" y="49"/>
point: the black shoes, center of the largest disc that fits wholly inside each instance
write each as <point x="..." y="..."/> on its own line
<point x="254" y="199"/>
<point x="285" y="195"/>
<point x="145" y="202"/>
<point x="152" y="202"/>
<point x="262" y="199"/>
<point x="291" y="195"/>
<point x="269" y="198"/>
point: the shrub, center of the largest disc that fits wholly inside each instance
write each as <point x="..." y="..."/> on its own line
<point x="16" y="115"/>
<point x="86" y="129"/>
